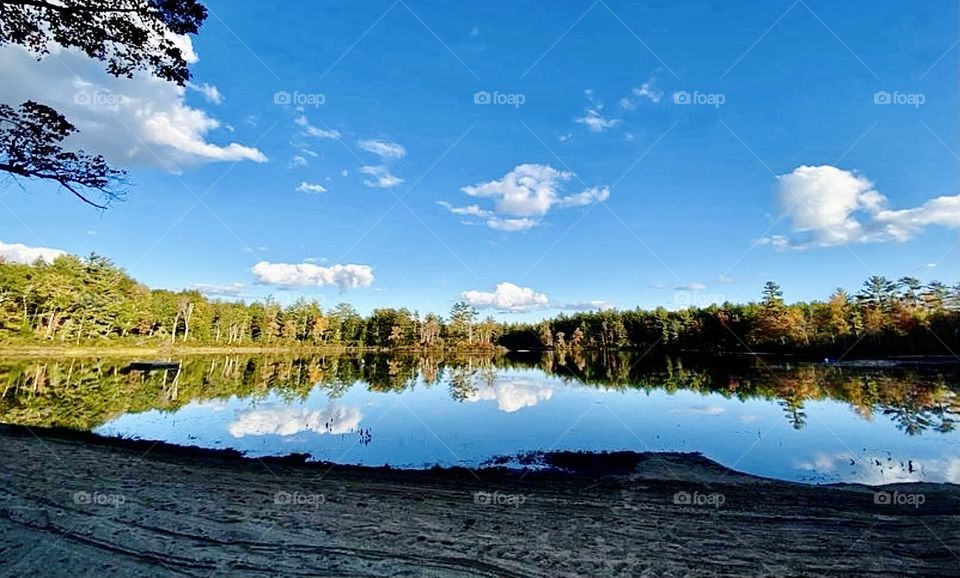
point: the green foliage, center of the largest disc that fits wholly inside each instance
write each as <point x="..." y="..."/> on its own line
<point x="90" y="301"/>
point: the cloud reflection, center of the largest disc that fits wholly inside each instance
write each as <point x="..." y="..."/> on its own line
<point x="513" y="395"/>
<point x="881" y="469"/>
<point x="286" y="421"/>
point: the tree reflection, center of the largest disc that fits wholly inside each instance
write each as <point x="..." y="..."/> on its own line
<point x="85" y="393"/>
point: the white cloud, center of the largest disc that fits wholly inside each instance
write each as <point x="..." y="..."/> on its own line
<point x="681" y="286"/>
<point x="510" y="225"/>
<point x="507" y="297"/>
<point x="829" y="206"/>
<point x="587" y="306"/>
<point x="700" y="410"/>
<point x="382" y="148"/>
<point x="594" y="120"/>
<point x="587" y="197"/>
<point x="513" y="395"/>
<point x="648" y="91"/>
<point x="234" y="290"/>
<point x="209" y="92"/>
<point x="528" y="189"/>
<point x="384" y="179"/>
<point x="286" y="421"/>
<point x="307" y="274"/>
<point x="725" y="279"/>
<point x="306" y="187"/>
<point x="20" y="253"/>
<point x="470" y="210"/>
<point x="312" y="131"/>
<point x="905" y="223"/>
<point x="876" y="470"/>
<point x="139" y="120"/>
<point x="526" y="192"/>
<point x="298" y="161"/>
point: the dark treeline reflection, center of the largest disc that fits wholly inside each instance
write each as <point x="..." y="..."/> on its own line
<point x="83" y="393"/>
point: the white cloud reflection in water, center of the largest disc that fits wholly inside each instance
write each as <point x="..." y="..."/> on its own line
<point x="880" y="469"/>
<point x="513" y="395"/>
<point x="286" y="421"/>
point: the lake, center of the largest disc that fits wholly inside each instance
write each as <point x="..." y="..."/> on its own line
<point x="793" y="421"/>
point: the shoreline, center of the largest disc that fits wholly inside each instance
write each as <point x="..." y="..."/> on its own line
<point x="130" y="507"/>
<point x="132" y="352"/>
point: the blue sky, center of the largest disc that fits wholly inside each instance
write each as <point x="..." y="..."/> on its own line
<point x="637" y="153"/>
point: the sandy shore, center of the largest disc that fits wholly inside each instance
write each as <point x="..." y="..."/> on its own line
<point x="75" y="505"/>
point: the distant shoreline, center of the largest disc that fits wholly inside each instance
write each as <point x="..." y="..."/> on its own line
<point x="34" y="351"/>
<point x="145" y="352"/>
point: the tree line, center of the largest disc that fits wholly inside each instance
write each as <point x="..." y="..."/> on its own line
<point x="91" y="301"/>
<point x="904" y="316"/>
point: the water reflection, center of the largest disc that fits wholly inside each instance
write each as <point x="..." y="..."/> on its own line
<point x="512" y="395"/>
<point x="285" y="421"/>
<point x="805" y="422"/>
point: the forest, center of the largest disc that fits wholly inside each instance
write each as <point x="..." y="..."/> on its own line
<point x="91" y="302"/>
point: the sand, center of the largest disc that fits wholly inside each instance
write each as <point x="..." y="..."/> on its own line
<point x="77" y="505"/>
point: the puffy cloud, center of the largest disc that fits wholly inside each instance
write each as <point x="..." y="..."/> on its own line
<point x="306" y="187"/>
<point x="587" y="306"/>
<point x="308" y="274"/>
<point x="510" y="225"/>
<point x="383" y="178"/>
<point x="507" y="297"/>
<point x="209" y="92"/>
<point x="526" y="192"/>
<point x="233" y="290"/>
<point x="382" y="148"/>
<point x="20" y="253"/>
<point x="905" y="223"/>
<point x="829" y="206"/>
<point x="594" y="120"/>
<point x="513" y="395"/>
<point x="139" y="120"/>
<point x="286" y="421"/>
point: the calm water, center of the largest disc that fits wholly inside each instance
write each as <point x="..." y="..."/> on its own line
<point x="797" y="422"/>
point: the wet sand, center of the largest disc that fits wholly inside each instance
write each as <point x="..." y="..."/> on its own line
<point x="77" y="505"/>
